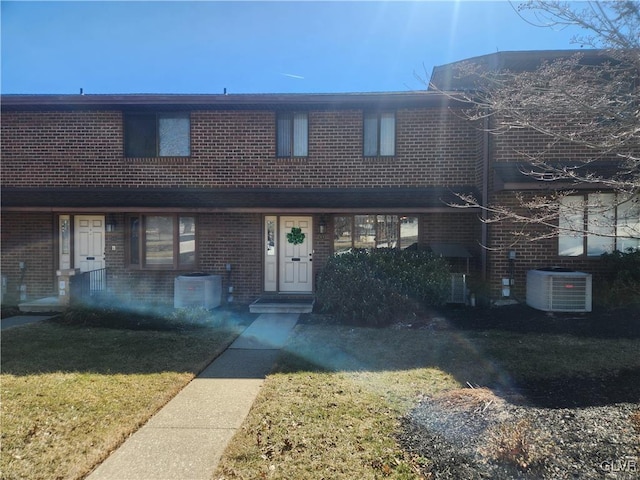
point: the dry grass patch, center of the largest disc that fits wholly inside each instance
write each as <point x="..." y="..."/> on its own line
<point x="71" y="395"/>
<point x="343" y="400"/>
<point x="333" y="409"/>
<point x="316" y="425"/>
<point x="518" y="444"/>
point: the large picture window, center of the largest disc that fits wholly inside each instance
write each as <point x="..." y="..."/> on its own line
<point x="157" y="135"/>
<point x="379" y="134"/>
<point x="162" y="241"/>
<point x="374" y="231"/>
<point x="598" y="223"/>
<point x="293" y="135"/>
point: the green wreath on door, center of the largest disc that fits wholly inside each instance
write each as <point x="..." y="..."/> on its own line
<point x="295" y="236"/>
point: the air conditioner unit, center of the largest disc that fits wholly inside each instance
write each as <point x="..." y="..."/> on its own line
<point x="559" y="290"/>
<point x="458" y="288"/>
<point x="197" y="290"/>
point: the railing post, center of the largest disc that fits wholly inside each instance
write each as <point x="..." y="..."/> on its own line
<point x="66" y="291"/>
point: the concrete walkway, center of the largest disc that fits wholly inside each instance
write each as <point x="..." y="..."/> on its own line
<point x="19" y="320"/>
<point x="186" y="438"/>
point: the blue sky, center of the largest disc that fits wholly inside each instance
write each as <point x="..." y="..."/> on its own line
<point x="250" y="47"/>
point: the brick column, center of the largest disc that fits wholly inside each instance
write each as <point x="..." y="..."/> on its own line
<point x="65" y="293"/>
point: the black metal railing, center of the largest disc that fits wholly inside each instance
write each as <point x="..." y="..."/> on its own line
<point x="91" y="283"/>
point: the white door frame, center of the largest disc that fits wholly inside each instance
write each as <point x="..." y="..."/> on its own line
<point x="89" y="242"/>
<point x="288" y="268"/>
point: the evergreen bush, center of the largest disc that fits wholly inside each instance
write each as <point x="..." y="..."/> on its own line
<point x="622" y="287"/>
<point x="377" y="287"/>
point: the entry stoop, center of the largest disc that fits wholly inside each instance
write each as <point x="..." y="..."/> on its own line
<point x="283" y="304"/>
<point x="42" y="305"/>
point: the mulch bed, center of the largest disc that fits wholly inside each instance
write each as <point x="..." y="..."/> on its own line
<point x="494" y="439"/>
<point x="567" y="428"/>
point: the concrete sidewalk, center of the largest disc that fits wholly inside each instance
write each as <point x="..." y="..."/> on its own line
<point x="19" y="320"/>
<point x="186" y="438"/>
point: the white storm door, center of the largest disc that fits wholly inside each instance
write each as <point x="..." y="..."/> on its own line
<point x="296" y="272"/>
<point x="89" y="242"/>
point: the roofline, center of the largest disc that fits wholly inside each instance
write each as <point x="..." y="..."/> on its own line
<point x="222" y="101"/>
<point x="543" y="54"/>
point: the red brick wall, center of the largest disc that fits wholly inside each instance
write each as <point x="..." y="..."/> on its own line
<point x="459" y="228"/>
<point x="60" y="148"/>
<point x="509" y="146"/>
<point x="28" y="238"/>
<point x="434" y="147"/>
<point x="237" y="148"/>
<point x="529" y="254"/>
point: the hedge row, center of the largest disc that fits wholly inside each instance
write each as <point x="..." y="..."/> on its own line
<point x="380" y="286"/>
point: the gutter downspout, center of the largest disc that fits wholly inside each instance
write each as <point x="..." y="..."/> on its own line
<point x="485" y="197"/>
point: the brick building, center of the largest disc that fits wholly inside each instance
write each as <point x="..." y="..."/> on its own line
<point x="149" y="187"/>
<point x="153" y="186"/>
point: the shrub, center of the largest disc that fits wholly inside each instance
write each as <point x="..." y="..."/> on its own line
<point x="138" y="318"/>
<point x="376" y="287"/>
<point x="518" y="444"/>
<point x="623" y="278"/>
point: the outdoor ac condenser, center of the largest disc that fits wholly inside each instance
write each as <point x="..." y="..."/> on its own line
<point x="458" y="288"/>
<point x="559" y="290"/>
<point x="197" y="290"/>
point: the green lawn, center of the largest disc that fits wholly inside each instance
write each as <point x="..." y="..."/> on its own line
<point x="70" y="394"/>
<point x="332" y="408"/>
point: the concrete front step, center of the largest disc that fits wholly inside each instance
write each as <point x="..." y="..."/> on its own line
<point x="49" y="304"/>
<point x="284" y="304"/>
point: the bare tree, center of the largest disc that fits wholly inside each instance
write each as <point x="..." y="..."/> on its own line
<point x="582" y="110"/>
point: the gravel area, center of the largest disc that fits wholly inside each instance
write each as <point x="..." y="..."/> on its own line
<point x="473" y="434"/>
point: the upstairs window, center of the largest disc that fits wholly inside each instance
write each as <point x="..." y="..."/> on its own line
<point x="157" y="135"/>
<point x="293" y="135"/>
<point x="379" y="134"/>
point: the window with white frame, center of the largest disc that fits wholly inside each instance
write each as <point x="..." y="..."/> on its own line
<point x="157" y="135"/>
<point x="162" y="241"/>
<point x="374" y="231"/>
<point x="292" y="134"/>
<point x="379" y="134"/>
<point x="598" y="223"/>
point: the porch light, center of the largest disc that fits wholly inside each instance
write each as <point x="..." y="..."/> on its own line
<point x="322" y="226"/>
<point x="111" y="223"/>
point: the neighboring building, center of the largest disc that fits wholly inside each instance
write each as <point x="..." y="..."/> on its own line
<point x="608" y="226"/>
<point x="150" y="187"/>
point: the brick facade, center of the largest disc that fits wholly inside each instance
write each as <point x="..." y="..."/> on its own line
<point x="74" y="144"/>
<point x="229" y="148"/>
<point x="236" y="149"/>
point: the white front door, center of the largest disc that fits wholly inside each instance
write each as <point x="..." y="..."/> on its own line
<point x="89" y="242"/>
<point x="295" y="271"/>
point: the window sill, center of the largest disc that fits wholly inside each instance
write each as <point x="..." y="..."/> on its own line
<point x="161" y="268"/>
<point x="291" y="160"/>
<point x="380" y="158"/>
<point x="158" y="160"/>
